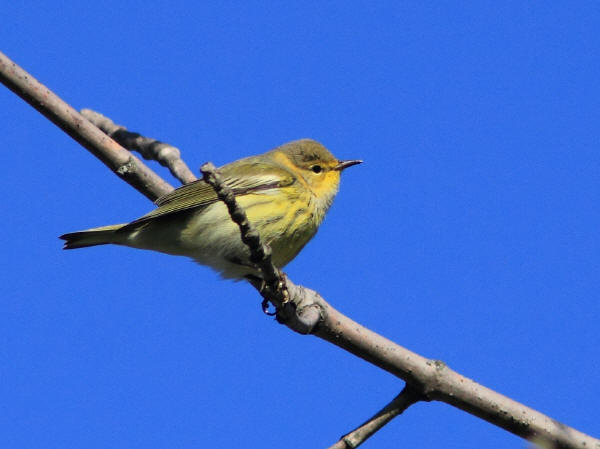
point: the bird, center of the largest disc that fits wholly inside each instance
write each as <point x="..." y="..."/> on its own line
<point x="285" y="193"/>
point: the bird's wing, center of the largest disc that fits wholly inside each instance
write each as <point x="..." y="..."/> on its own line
<point x="244" y="176"/>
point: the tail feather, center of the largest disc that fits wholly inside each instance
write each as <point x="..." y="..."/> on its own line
<point x="91" y="237"/>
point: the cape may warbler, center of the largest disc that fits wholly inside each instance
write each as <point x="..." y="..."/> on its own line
<point x="285" y="193"/>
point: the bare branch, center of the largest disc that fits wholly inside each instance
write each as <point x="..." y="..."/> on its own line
<point x="150" y="149"/>
<point x="118" y="159"/>
<point x="304" y="310"/>
<point x="307" y="312"/>
<point x="438" y="382"/>
<point x="407" y="397"/>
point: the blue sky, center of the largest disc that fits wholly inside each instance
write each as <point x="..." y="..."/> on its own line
<point x="470" y="234"/>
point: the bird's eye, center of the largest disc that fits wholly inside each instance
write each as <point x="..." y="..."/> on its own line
<point x="317" y="168"/>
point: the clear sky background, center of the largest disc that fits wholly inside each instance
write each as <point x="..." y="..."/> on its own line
<point x="471" y="233"/>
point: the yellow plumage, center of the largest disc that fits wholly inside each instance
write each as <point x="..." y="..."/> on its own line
<point x="285" y="193"/>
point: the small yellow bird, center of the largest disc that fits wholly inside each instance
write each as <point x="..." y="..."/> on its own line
<point x="285" y="193"/>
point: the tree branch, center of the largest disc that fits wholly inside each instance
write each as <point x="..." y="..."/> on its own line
<point x="438" y="382"/>
<point x="118" y="159"/>
<point x="305" y="311"/>
<point x="150" y="149"/>
<point x="407" y="397"/>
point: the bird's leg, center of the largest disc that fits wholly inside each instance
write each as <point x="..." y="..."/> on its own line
<point x="256" y="281"/>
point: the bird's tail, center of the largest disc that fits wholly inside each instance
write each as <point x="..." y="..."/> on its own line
<point x="91" y="237"/>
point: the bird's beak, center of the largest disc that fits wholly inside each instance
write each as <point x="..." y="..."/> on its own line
<point x="345" y="164"/>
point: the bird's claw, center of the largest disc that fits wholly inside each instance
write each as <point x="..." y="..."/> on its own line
<point x="265" y="308"/>
<point x="282" y="287"/>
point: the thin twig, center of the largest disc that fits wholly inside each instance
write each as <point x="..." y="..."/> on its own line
<point x="273" y="288"/>
<point x="407" y="397"/>
<point x="118" y="159"/>
<point x="150" y="149"/>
